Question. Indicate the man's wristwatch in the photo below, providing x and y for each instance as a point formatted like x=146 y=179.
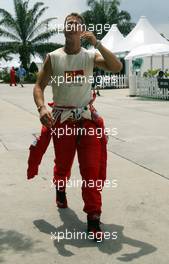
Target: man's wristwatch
x=98 y=43
x=40 y=107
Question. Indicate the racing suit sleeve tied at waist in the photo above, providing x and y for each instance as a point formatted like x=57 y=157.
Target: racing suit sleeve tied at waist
x=36 y=151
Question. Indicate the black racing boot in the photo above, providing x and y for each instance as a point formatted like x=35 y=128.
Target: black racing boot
x=61 y=199
x=93 y=227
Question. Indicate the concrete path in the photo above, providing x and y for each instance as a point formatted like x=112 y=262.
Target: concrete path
x=136 y=210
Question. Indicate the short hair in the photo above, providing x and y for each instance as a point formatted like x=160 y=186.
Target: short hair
x=76 y=15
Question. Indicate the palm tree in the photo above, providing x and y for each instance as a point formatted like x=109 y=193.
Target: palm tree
x=24 y=33
x=120 y=17
x=107 y=12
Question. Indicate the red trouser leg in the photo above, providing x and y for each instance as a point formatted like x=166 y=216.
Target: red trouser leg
x=12 y=80
x=65 y=148
x=92 y=156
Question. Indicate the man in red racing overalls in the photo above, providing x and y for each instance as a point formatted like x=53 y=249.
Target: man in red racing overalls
x=73 y=111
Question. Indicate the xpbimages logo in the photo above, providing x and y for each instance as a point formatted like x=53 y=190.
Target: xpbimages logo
x=77 y=235
x=79 y=183
x=97 y=28
x=79 y=79
x=76 y=131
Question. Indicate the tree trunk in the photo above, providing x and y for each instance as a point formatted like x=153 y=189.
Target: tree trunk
x=24 y=56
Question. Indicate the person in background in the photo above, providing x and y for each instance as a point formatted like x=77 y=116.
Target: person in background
x=12 y=77
x=21 y=72
x=160 y=75
x=96 y=84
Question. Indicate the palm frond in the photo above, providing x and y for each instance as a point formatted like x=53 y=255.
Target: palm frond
x=5 y=13
x=36 y=7
x=123 y=15
x=5 y=54
x=9 y=21
x=43 y=48
x=41 y=25
x=7 y=34
x=25 y=5
x=44 y=36
x=16 y=5
x=31 y=13
x=9 y=45
x=20 y=13
x=35 y=15
x=91 y=3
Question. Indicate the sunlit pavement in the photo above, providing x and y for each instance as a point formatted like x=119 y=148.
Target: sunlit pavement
x=137 y=209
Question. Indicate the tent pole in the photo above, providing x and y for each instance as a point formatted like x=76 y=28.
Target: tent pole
x=151 y=63
x=162 y=62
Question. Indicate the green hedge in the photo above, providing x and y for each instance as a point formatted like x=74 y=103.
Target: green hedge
x=5 y=77
x=29 y=78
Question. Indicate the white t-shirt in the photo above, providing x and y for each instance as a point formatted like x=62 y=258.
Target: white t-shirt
x=72 y=77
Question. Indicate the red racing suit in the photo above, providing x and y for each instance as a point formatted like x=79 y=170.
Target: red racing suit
x=92 y=157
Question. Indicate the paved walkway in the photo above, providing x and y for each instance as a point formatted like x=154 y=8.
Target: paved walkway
x=137 y=209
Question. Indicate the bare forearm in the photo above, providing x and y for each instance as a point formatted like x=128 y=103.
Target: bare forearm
x=38 y=94
x=111 y=61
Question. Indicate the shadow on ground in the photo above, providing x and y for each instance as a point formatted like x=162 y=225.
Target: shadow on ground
x=72 y=223
x=15 y=241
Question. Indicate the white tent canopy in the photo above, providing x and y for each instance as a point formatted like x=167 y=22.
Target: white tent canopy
x=15 y=62
x=113 y=38
x=8 y=64
x=148 y=50
x=36 y=59
x=3 y=63
x=142 y=34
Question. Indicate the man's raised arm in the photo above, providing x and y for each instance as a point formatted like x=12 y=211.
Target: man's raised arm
x=107 y=60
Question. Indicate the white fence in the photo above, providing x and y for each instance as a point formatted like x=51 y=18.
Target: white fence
x=114 y=81
x=148 y=87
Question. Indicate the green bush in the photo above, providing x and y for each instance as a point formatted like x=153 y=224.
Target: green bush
x=154 y=73
x=5 y=76
x=31 y=78
x=166 y=73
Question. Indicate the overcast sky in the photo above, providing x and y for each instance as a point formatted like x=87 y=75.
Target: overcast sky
x=157 y=11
